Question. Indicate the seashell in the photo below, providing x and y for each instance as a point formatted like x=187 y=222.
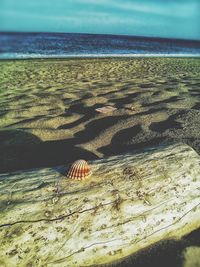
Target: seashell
x=79 y=170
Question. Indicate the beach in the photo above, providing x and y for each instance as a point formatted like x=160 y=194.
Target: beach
x=48 y=117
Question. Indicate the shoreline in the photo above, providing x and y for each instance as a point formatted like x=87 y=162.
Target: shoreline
x=103 y=56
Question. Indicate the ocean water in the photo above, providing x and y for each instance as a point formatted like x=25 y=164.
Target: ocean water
x=61 y=45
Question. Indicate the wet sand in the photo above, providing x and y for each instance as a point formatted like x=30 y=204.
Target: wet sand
x=48 y=117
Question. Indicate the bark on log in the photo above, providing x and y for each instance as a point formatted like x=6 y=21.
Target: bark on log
x=129 y=203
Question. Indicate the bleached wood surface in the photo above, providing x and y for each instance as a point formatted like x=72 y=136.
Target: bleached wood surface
x=129 y=203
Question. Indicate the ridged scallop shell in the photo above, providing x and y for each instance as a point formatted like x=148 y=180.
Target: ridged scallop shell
x=79 y=170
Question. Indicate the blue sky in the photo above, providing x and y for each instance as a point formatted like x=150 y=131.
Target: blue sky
x=162 y=18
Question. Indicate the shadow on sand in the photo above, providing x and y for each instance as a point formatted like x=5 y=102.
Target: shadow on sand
x=21 y=150
x=166 y=253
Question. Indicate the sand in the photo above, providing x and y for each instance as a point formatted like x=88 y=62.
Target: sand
x=48 y=117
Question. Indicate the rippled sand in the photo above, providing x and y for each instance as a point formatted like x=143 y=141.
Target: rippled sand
x=48 y=117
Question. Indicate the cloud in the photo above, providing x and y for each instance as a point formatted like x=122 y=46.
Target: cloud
x=166 y=18
x=171 y=8
x=98 y=18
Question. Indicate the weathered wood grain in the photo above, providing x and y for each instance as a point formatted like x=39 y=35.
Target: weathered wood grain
x=129 y=203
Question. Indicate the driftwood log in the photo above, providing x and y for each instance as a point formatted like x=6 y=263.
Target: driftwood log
x=129 y=203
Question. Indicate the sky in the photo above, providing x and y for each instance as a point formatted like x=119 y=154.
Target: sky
x=156 y=18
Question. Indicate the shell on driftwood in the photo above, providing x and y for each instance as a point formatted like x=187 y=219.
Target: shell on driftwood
x=129 y=203
x=79 y=170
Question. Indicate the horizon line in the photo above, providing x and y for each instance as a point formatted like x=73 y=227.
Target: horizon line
x=104 y=34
